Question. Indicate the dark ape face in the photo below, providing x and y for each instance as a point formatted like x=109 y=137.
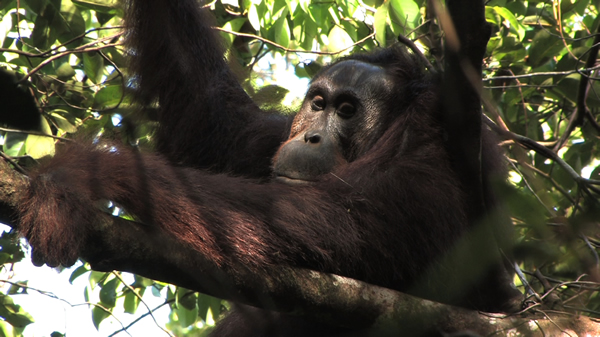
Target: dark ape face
x=344 y=113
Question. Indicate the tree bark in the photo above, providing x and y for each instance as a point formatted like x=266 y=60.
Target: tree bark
x=118 y=244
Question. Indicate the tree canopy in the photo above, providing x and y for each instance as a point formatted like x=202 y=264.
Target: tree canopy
x=540 y=94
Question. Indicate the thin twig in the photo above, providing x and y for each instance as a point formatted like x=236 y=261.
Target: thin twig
x=592 y=120
x=542 y=150
x=35 y=133
x=553 y=298
x=552 y=181
x=118 y=276
x=533 y=191
x=523 y=279
x=548 y=73
x=538 y=86
x=55 y=48
x=80 y=49
x=582 y=92
x=18 y=167
x=114 y=65
x=53 y=296
x=124 y=329
x=289 y=50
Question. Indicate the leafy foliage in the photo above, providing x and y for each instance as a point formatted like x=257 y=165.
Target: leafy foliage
x=540 y=88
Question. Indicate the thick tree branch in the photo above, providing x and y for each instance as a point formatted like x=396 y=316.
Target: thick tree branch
x=467 y=36
x=118 y=244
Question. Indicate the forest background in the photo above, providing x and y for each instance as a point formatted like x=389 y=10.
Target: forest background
x=541 y=91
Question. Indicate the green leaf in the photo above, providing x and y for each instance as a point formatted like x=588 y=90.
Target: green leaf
x=39 y=146
x=523 y=205
x=186 y=317
x=310 y=29
x=208 y=303
x=86 y=294
x=278 y=6
x=103 y=6
x=579 y=155
x=351 y=30
x=93 y=66
x=334 y=15
x=37 y=6
x=56 y=19
x=13 y=313
x=568 y=87
x=104 y=18
x=380 y=25
x=535 y=20
x=13 y=144
x=141 y=282
x=3 y=5
x=515 y=25
x=42 y=36
x=96 y=277
x=186 y=299
x=282 y=30
x=108 y=97
x=65 y=71
x=132 y=302
x=270 y=94
x=4 y=258
x=77 y=272
x=62 y=122
x=543 y=47
x=312 y=68
x=581 y=6
x=406 y=13
x=215 y=306
x=492 y=16
x=234 y=26
x=203 y=306
x=73 y=24
x=517 y=7
x=116 y=56
x=253 y=18
x=18 y=288
x=108 y=293
x=595 y=175
x=349 y=7
x=339 y=39
x=20 y=320
x=245 y=4
x=318 y=13
x=98 y=315
x=6 y=329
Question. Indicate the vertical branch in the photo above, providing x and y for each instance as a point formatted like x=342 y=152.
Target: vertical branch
x=582 y=110
x=583 y=84
x=467 y=34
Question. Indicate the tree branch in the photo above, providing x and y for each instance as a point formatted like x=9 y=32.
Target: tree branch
x=289 y=50
x=118 y=244
x=581 y=111
x=545 y=152
x=467 y=34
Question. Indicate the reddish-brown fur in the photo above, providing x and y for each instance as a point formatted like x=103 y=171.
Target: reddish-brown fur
x=384 y=217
